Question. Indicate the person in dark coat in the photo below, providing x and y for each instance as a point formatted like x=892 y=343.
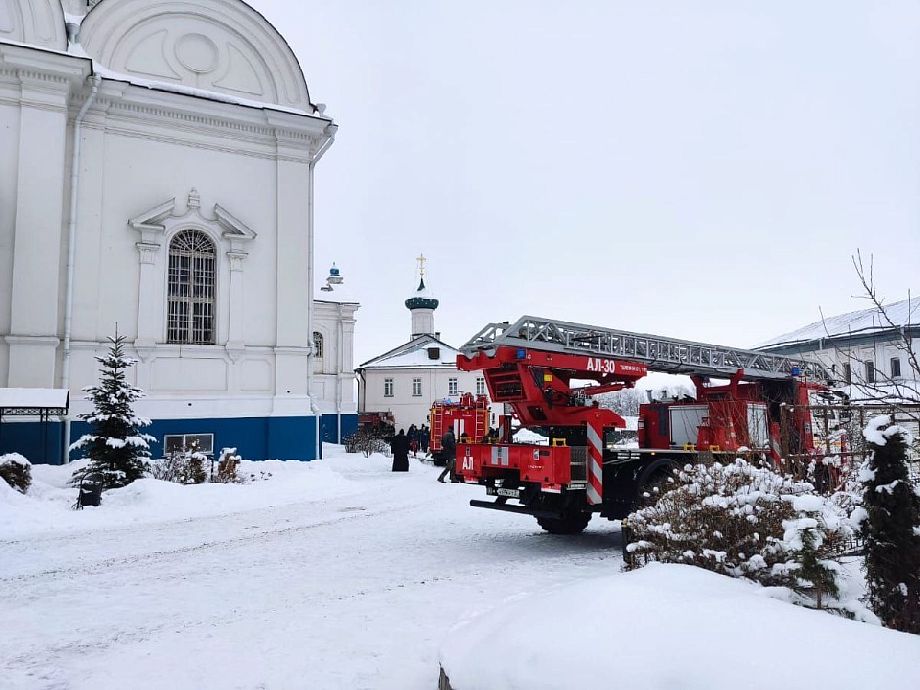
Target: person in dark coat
x=400 y=447
x=424 y=438
x=449 y=453
x=412 y=436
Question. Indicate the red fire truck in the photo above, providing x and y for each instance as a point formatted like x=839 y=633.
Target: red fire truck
x=536 y=366
x=467 y=417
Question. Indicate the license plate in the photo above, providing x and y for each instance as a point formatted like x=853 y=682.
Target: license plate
x=508 y=493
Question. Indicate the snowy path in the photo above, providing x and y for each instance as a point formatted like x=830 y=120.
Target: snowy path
x=357 y=591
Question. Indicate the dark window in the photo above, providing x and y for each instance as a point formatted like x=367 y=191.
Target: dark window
x=317 y=344
x=895 y=367
x=848 y=373
x=870 y=372
x=181 y=443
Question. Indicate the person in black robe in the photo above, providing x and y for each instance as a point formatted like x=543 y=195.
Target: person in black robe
x=400 y=447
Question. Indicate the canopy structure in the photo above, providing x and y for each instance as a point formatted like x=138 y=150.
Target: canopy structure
x=34 y=401
x=43 y=403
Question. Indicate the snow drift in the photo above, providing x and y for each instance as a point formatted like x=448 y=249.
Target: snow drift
x=673 y=626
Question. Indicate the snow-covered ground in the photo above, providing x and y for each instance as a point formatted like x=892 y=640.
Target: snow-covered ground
x=340 y=574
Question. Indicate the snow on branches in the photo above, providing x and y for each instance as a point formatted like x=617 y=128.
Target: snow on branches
x=745 y=521
x=117 y=450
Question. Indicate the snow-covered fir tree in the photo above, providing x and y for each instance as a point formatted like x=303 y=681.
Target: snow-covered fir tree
x=812 y=571
x=891 y=528
x=117 y=450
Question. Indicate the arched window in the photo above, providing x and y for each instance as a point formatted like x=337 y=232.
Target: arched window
x=317 y=344
x=192 y=274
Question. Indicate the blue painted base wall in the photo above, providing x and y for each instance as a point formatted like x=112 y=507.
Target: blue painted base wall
x=329 y=427
x=37 y=442
x=255 y=438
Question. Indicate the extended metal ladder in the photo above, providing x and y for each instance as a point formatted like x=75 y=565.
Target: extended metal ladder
x=658 y=353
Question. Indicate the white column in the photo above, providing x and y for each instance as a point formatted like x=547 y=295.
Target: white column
x=37 y=247
x=235 y=342
x=149 y=318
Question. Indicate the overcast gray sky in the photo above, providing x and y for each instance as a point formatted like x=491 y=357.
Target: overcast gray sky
x=695 y=169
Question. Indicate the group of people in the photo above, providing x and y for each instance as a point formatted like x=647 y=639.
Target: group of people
x=418 y=438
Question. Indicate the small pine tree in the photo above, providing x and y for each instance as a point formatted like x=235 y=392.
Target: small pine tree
x=892 y=530
x=815 y=574
x=117 y=450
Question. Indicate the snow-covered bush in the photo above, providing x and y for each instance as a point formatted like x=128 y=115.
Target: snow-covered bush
x=193 y=467
x=16 y=471
x=117 y=450
x=366 y=441
x=227 y=467
x=167 y=469
x=891 y=528
x=744 y=521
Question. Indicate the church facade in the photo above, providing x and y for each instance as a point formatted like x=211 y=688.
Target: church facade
x=156 y=176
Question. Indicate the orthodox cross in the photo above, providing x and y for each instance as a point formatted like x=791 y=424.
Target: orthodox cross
x=421 y=265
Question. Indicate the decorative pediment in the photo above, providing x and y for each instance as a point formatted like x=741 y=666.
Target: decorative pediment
x=211 y=45
x=156 y=222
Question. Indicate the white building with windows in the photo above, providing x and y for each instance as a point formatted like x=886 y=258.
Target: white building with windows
x=156 y=172
x=863 y=348
x=408 y=379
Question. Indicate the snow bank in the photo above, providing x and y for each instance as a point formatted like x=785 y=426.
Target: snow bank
x=673 y=626
x=48 y=504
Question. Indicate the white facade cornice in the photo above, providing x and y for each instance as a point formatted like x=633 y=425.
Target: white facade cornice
x=38 y=78
x=137 y=112
x=46 y=65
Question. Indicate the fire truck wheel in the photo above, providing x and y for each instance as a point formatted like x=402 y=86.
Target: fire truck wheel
x=568 y=524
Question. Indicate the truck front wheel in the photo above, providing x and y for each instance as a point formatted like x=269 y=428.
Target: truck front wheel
x=573 y=523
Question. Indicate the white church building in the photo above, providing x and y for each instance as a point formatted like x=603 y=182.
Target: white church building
x=408 y=379
x=156 y=172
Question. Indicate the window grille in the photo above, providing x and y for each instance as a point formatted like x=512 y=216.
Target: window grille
x=317 y=344
x=453 y=387
x=417 y=388
x=192 y=277
x=388 y=388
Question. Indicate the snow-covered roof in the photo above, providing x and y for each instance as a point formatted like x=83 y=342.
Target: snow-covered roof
x=861 y=322
x=34 y=398
x=414 y=354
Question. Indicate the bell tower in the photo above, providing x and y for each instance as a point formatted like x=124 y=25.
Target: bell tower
x=422 y=304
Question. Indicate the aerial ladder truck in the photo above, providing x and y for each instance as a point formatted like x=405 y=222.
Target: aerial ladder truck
x=536 y=366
